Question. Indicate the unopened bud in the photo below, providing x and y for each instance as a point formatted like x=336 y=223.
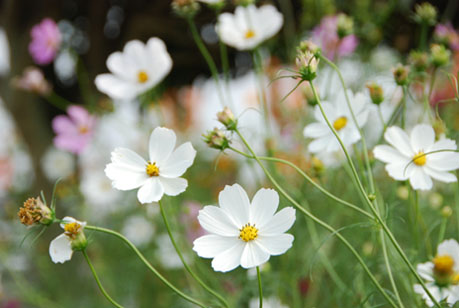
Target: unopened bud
x=425 y=13
x=345 y=25
x=307 y=60
x=419 y=60
x=403 y=192
x=372 y=197
x=34 y=211
x=376 y=93
x=317 y=165
x=216 y=139
x=226 y=117
x=446 y=211
x=185 y=8
x=439 y=55
x=401 y=73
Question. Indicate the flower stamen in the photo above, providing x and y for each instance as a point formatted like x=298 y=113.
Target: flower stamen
x=249 y=34
x=248 y=233
x=72 y=229
x=340 y=123
x=420 y=159
x=142 y=77
x=152 y=169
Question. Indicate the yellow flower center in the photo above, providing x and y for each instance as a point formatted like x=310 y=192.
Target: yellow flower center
x=248 y=233
x=249 y=34
x=152 y=169
x=420 y=159
x=72 y=229
x=443 y=264
x=340 y=123
x=142 y=76
x=83 y=129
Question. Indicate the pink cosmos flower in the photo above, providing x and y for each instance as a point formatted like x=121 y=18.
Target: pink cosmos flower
x=73 y=131
x=445 y=34
x=45 y=43
x=33 y=80
x=326 y=36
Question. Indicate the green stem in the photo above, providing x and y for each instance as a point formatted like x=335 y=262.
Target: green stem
x=389 y=269
x=185 y=264
x=58 y=101
x=98 y=281
x=260 y=289
x=145 y=261
x=441 y=234
x=423 y=36
x=370 y=204
x=311 y=181
x=318 y=221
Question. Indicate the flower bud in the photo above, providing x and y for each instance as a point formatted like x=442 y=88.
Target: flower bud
x=439 y=55
x=345 y=25
x=317 y=165
x=216 y=139
x=34 y=211
x=446 y=211
x=419 y=60
x=425 y=13
x=401 y=73
x=307 y=60
x=74 y=231
x=185 y=8
x=376 y=93
x=226 y=117
x=32 y=80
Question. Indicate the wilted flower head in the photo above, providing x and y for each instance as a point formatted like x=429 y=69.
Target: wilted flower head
x=439 y=55
x=425 y=13
x=34 y=211
x=46 y=40
x=33 y=80
x=73 y=132
x=445 y=34
x=216 y=139
x=226 y=117
x=62 y=247
x=401 y=73
x=186 y=8
x=376 y=92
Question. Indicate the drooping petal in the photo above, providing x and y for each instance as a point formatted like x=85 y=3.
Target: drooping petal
x=441 y=176
x=208 y=246
x=60 y=249
x=179 y=161
x=234 y=201
x=173 y=186
x=276 y=245
x=264 y=205
x=399 y=140
x=229 y=259
x=151 y=191
x=253 y=255
x=279 y=223
x=162 y=142
x=419 y=180
x=422 y=137
x=215 y=220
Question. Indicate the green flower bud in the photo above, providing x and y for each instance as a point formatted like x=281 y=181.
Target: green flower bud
x=425 y=13
x=439 y=55
x=345 y=25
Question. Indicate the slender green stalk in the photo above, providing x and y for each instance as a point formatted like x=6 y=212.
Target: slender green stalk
x=318 y=221
x=311 y=181
x=205 y=53
x=429 y=94
x=389 y=269
x=260 y=289
x=423 y=36
x=441 y=234
x=112 y=301
x=185 y=264
x=148 y=264
x=57 y=101
x=370 y=204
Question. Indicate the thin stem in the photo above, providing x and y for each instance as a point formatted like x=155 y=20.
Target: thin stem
x=370 y=204
x=389 y=269
x=57 y=101
x=145 y=261
x=98 y=281
x=318 y=221
x=260 y=289
x=311 y=181
x=185 y=264
x=441 y=234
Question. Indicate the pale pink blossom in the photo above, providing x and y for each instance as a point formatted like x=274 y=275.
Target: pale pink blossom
x=46 y=40
x=446 y=34
x=33 y=80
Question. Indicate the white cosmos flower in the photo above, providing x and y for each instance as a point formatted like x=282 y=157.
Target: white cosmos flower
x=442 y=274
x=242 y=232
x=249 y=26
x=4 y=53
x=405 y=157
x=340 y=117
x=160 y=174
x=135 y=70
x=60 y=249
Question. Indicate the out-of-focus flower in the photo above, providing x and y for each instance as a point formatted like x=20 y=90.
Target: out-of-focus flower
x=242 y=232
x=419 y=60
x=33 y=80
x=376 y=93
x=270 y=302
x=137 y=69
x=65 y=66
x=4 y=53
x=410 y=157
x=34 y=211
x=344 y=25
x=340 y=116
x=442 y=275
x=215 y=4
x=186 y=8
x=401 y=73
x=190 y=220
x=326 y=36
x=73 y=131
x=46 y=40
x=249 y=26
x=160 y=174
x=439 y=55
x=425 y=13
x=445 y=34
x=57 y=164
x=62 y=247
x=138 y=230
x=226 y=117
x=306 y=60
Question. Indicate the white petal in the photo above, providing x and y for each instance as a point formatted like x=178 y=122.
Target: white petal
x=400 y=171
x=315 y=130
x=162 y=142
x=208 y=246
x=425 y=270
x=279 y=223
x=124 y=179
x=443 y=161
x=68 y=219
x=173 y=186
x=264 y=205
x=419 y=180
x=180 y=160
x=215 y=220
x=234 y=201
x=443 y=144
x=151 y=191
x=450 y=247
x=121 y=66
x=276 y=245
x=159 y=60
x=422 y=137
x=135 y=51
x=399 y=140
x=128 y=159
x=388 y=154
x=229 y=259
x=320 y=144
x=253 y=255
x=441 y=176
x=116 y=88
x=60 y=249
